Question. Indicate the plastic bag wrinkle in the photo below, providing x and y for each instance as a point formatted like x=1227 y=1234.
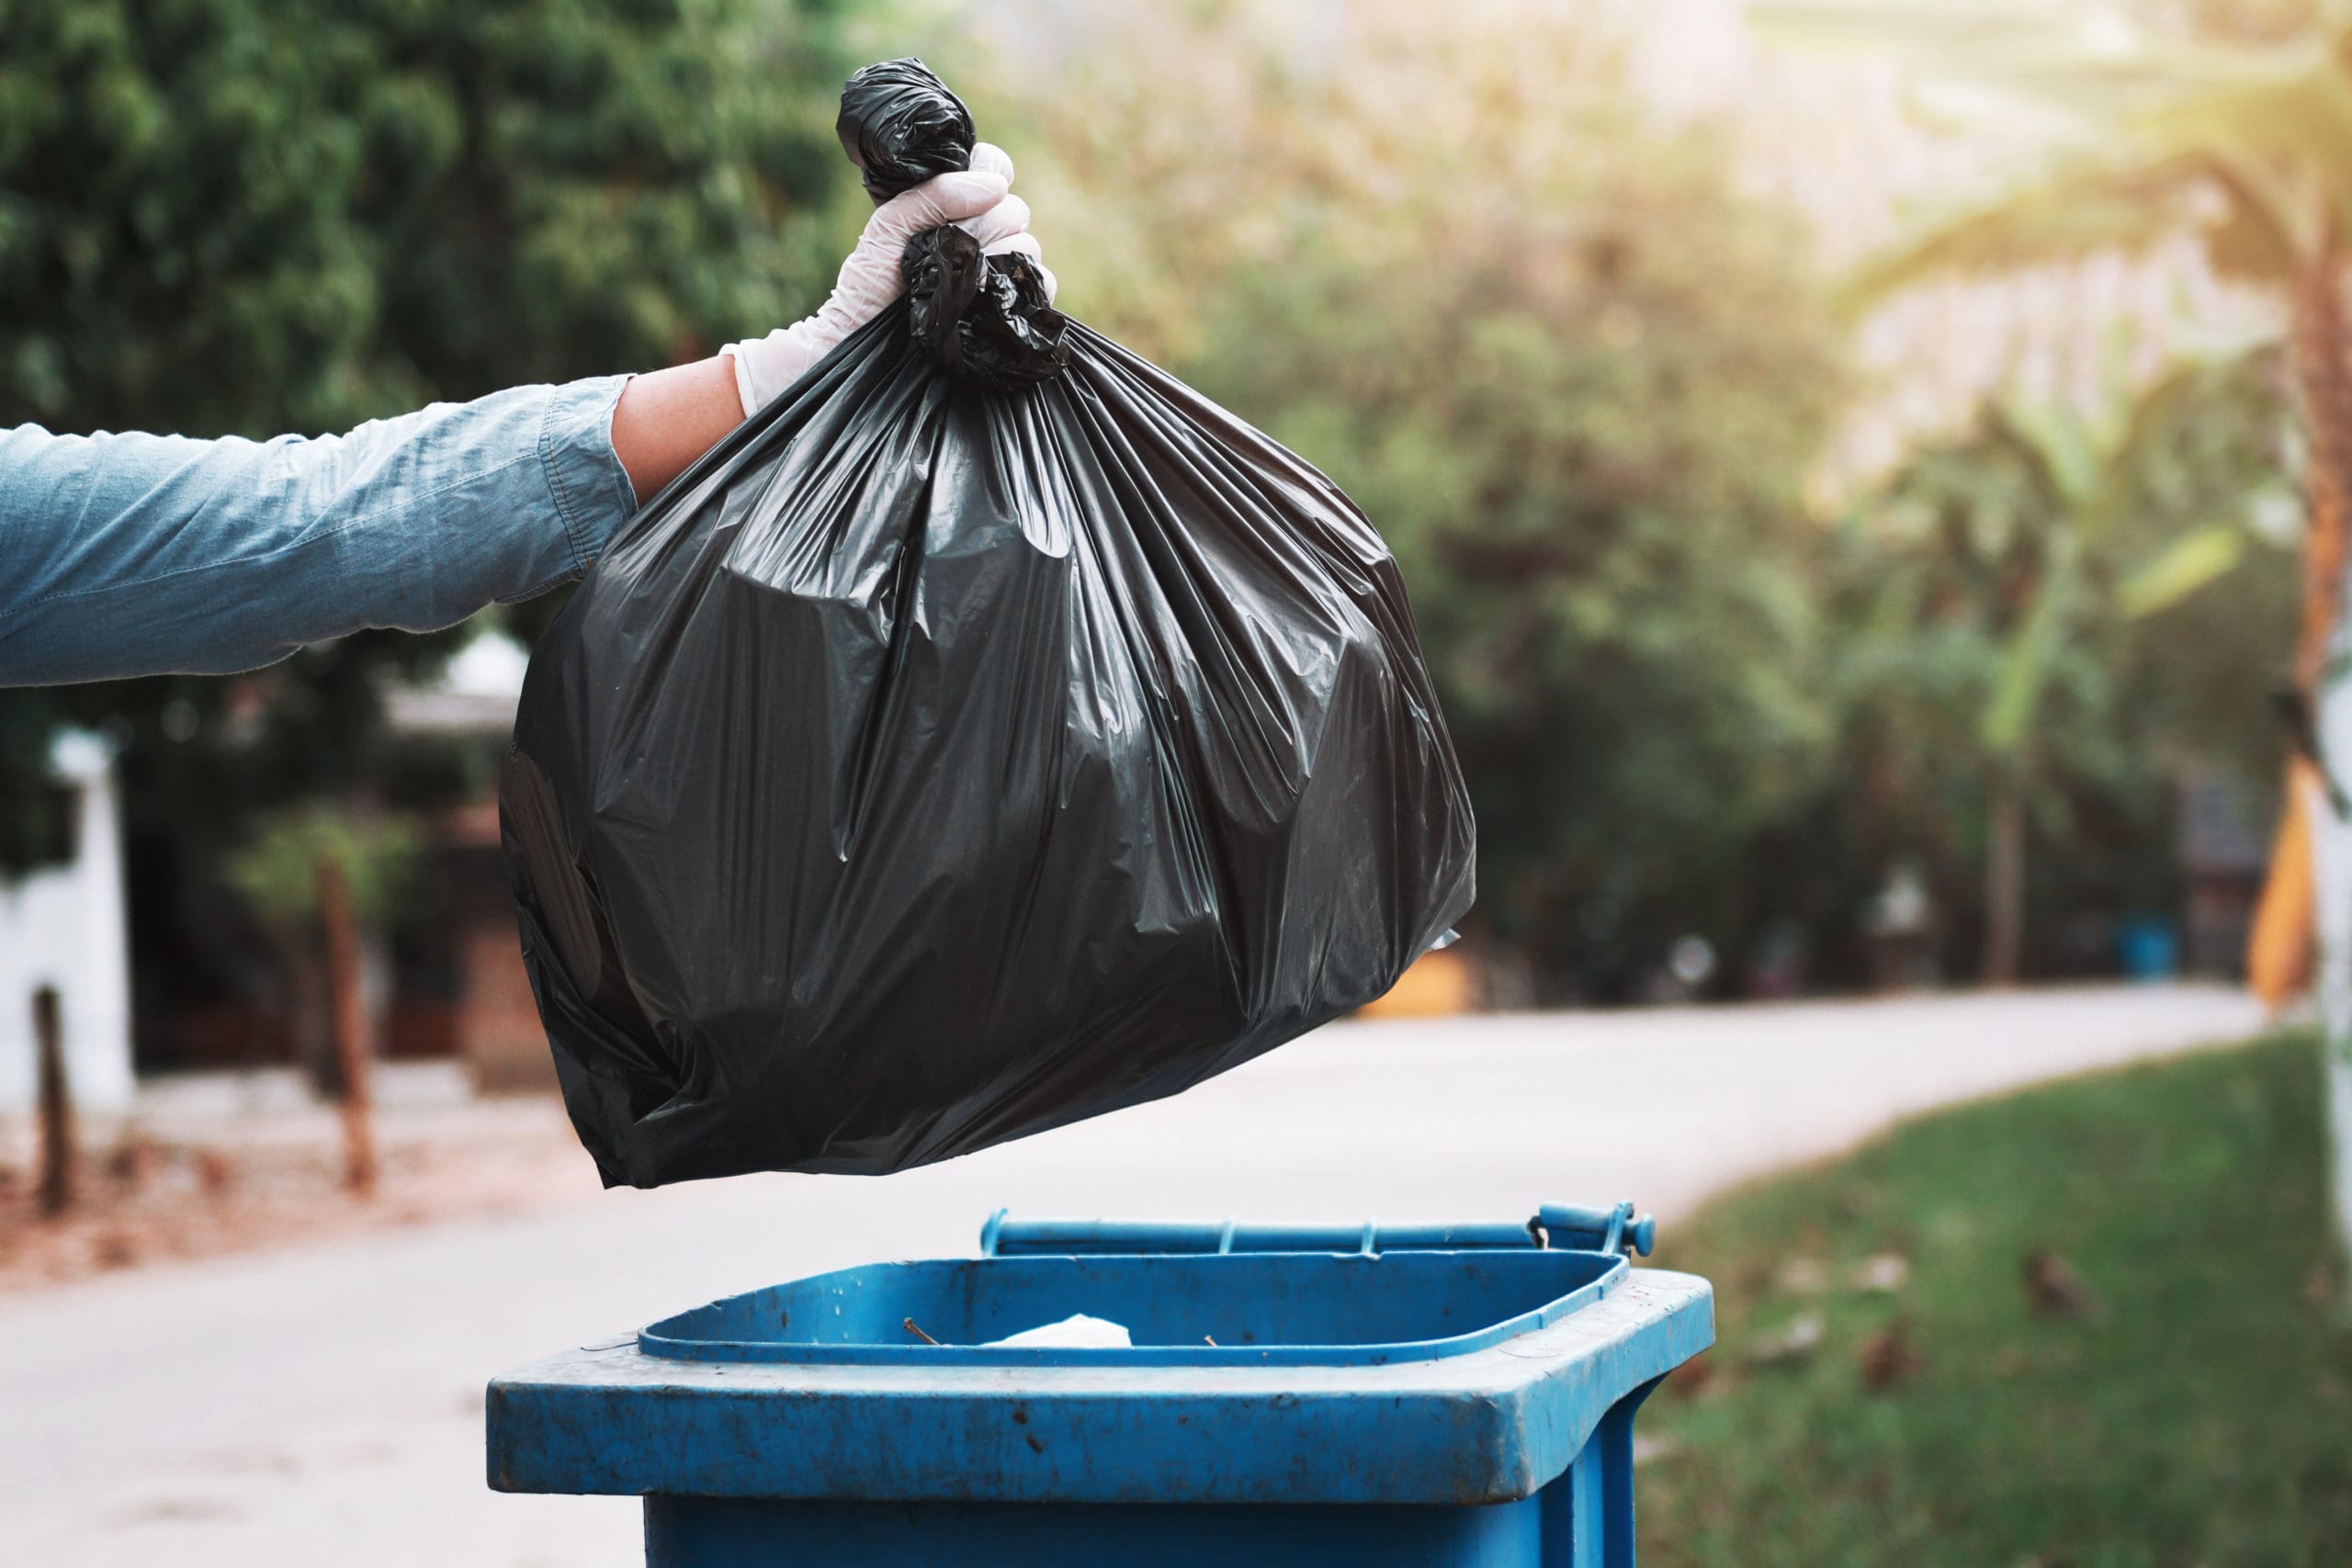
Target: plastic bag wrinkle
x=946 y=758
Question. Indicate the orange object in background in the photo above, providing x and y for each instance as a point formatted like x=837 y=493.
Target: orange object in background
x=2279 y=949
x=1437 y=984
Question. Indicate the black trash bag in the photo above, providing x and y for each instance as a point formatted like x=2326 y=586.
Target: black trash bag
x=900 y=126
x=991 y=733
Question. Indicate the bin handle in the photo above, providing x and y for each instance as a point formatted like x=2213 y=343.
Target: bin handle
x=1617 y=1229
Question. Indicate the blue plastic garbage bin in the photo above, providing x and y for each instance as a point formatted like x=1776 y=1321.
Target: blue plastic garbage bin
x=2148 y=948
x=1368 y=1395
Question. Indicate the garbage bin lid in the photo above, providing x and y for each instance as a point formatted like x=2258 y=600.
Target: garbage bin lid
x=1431 y=1365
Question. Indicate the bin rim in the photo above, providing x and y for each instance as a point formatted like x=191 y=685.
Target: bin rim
x=659 y=1340
x=1489 y=1426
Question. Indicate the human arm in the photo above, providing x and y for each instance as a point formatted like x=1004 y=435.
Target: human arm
x=669 y=417
x=666 y=418
x=134 y=554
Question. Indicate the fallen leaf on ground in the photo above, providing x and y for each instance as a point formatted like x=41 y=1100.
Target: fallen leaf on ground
x=1888 y=1358
x=2055 y=1290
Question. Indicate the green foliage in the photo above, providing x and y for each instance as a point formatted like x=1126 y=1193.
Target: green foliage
x=2197 y=559
x=2197 y=1413
x=254 y=216
x=27 y=798
x=1572 y=374
x=2083 y=467
x=1578 y=380
x=260 y=216
x=279 y=872
x=1997 y=617
x=2222 y=118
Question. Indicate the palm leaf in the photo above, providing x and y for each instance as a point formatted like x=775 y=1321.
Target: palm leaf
x=2080 y=209
x=2066 y=451
x=2183 y=567
x=2084 y=207
x=2144 y=127
x=1930 y=33
x=2025 y=664
x=2059 y=49
x=2303 y=112
x=2151 y=418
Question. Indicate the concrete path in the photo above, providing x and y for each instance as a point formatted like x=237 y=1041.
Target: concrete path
x=323 y=1405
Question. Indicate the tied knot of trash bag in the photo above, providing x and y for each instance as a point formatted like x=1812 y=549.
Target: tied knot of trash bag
x=900 y=126
x=985 y=319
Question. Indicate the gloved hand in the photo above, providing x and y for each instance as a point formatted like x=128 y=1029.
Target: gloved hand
x=978 y=201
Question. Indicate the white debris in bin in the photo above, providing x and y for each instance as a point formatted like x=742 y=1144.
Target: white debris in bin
x=1077 y=1332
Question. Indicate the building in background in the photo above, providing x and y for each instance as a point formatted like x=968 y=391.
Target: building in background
x=65 y=927
x=219 y=989
x=2223 y=855
x=458 y=987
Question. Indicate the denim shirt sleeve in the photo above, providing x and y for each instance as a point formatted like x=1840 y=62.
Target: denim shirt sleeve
x=134 y=555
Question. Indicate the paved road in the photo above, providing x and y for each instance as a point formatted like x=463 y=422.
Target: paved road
x=323 y=1405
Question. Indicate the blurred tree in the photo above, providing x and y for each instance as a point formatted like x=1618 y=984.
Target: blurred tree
x=1571 y=372
x=2230 y=122
x=258 y=216
x=253 y=216
x=327 y=881
x=2011 y=599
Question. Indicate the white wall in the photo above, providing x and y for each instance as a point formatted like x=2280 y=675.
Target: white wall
x=66 y=926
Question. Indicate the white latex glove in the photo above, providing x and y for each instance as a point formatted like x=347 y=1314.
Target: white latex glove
x=978 y=200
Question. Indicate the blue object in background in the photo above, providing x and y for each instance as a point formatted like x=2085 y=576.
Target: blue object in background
x=2147 y=948
x=1369 y=1395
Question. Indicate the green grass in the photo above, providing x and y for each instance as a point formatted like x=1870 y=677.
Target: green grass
x=2201 y=1414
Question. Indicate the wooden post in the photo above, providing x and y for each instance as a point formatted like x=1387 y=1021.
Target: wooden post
x=349 y=1008
x=56 y=1193
x=2005 y=878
